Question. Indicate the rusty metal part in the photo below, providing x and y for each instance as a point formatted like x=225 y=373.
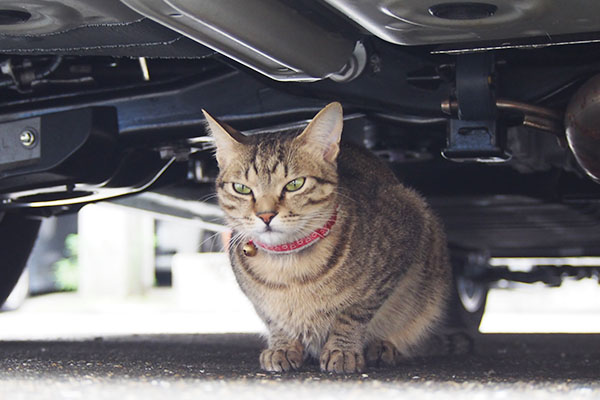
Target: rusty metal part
x=543 y=124
x=525 y=108
x=451 y=107
x=536 y=117
x=582 y=121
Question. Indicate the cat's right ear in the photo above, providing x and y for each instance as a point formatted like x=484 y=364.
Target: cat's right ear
x=322 y=135
x=227 y=140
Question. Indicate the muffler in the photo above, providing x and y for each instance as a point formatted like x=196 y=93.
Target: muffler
x=582 y=122
x=264 y=35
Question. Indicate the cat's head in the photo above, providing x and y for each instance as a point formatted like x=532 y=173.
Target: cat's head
x=274 y=187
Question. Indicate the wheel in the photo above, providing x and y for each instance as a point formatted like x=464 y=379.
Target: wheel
x=18 y=294
x=17 y=237
x=469 y=294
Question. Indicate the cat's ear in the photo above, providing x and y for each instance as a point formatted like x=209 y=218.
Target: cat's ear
x=322 y=135
x=227 y=140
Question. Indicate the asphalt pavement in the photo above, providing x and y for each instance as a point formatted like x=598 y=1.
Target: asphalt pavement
x=226 y=366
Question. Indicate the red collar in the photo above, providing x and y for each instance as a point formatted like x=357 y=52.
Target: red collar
x=299 y=244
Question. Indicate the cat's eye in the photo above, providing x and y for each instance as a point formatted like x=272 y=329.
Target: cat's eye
x=241 y=189
x=294 y=185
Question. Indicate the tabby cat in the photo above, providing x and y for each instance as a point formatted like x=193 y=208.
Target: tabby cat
x=341 y=261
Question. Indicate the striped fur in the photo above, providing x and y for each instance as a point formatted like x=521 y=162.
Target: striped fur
x=378 y=281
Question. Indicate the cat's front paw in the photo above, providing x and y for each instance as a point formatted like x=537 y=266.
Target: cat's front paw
x=281 y=359
x=342 y=361
x=382 y=352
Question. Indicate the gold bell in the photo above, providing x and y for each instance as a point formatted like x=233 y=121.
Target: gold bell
x=249 y=249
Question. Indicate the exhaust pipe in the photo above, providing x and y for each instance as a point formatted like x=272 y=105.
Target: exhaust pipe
x=264 y=35
x=582 y=122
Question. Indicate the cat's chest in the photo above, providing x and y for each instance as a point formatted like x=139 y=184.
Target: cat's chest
x=294 y=304
x=303 y=312
x=298 y=293
x=293 y=294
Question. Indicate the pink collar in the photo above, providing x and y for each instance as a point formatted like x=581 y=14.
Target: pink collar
x=300 y=244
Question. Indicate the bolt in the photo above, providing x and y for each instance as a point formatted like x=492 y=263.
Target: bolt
x=27 y=138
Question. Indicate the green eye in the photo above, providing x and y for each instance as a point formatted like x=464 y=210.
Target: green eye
x=241 y=189
x=295 y=184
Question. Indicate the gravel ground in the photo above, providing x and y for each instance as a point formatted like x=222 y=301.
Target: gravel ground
x=226 y=365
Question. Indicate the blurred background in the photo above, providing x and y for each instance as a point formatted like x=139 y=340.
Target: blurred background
x=115 y=270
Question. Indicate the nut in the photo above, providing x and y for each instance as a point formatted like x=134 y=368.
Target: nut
x=27 y=138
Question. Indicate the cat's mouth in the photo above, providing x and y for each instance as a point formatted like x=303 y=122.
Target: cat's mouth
x=271 y=236
x=276 y=234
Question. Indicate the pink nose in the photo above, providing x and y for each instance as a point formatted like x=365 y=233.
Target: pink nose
x=267 y=216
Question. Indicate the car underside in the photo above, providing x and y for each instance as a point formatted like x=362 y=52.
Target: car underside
x=489 y=109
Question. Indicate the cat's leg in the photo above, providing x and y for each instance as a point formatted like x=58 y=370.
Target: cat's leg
x=444 y=344
x=383 y=352
x=283 y=354
x=343 y=351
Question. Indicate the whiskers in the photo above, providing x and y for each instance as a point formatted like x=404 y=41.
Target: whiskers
x=238 y=238
x=308 y=223
x=210 y=239
x=340 y=193
x=208 y=197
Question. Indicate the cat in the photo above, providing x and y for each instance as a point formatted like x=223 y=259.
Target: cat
x=340 y=260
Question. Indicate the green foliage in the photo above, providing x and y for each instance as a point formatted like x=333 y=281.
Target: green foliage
x=66 y=270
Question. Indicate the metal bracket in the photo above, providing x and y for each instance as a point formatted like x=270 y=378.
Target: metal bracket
x=81 y=161
x=83 y=143
x=481 y=141
x=474 y=133
x=20 y=143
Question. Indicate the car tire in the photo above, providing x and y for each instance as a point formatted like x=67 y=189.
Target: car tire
x=467 y=305
x=18 y=233
x=468 y=294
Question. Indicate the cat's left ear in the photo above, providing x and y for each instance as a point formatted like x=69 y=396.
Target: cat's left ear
x=324 y=132
x=227 y=139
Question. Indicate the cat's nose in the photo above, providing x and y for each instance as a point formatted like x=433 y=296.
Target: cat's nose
x=266 y=216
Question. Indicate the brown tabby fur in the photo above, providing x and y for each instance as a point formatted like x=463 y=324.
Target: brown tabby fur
x=376 y=286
